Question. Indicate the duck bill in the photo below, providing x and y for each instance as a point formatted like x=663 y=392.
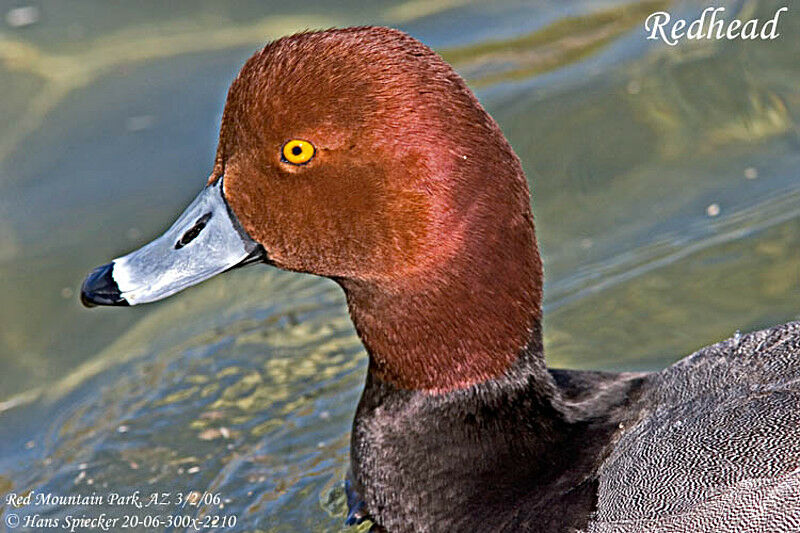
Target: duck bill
x=205 y=240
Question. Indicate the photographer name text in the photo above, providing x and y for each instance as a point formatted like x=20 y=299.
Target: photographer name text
x=160 y=510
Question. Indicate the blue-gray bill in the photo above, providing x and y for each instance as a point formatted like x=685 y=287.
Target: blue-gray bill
x=205 y=240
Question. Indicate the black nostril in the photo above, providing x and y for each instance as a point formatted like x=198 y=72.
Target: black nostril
x=100 y=288
x=193 y=232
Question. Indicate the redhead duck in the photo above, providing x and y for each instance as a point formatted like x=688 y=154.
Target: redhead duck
x=358 y=154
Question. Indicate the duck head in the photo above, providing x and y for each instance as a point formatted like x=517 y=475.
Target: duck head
x=358 y=154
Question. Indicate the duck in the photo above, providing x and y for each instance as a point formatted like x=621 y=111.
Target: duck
x=360 y=155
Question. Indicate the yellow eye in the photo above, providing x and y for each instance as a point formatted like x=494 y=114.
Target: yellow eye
x=298 y=152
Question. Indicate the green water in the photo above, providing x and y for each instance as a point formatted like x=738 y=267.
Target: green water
x=666 y=188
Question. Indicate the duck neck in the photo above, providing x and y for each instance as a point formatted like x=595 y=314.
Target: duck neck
x=458 y=397
x=470 y=319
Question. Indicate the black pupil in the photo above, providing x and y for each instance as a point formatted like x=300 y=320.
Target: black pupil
x=193 y=232
x=296 y=150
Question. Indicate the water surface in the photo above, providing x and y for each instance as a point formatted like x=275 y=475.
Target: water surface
x=665 y=186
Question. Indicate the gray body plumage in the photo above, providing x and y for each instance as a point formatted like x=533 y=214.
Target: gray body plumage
x=715 y=445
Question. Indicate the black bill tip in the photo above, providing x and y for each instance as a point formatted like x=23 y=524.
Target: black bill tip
x=99 y=288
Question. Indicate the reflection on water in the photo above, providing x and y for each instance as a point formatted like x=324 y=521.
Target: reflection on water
x=560 y=43
x=665 y=189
